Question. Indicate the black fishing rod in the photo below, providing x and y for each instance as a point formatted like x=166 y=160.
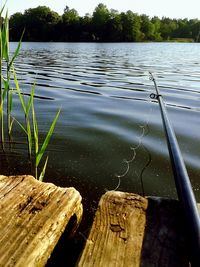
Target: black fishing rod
x=182 y=181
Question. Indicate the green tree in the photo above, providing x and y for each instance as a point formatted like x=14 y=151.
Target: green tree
x=131 y=24
x=114 y=27
x=100 y=19
x=70 y=16
x=194 y=25
x=147 y=28
x=157 y=34
x=183 y=29
x=86 y=28
x=17 y=25
x=39 y=23
x=70 y=24
x=43 y=24
x=167 y=28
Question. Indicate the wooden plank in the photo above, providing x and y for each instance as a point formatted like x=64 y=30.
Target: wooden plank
x=33 y=215
x=133 y=231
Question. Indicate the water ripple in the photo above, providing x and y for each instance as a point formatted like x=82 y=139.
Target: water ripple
x=104 y=93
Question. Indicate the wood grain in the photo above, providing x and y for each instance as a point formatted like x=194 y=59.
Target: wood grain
x=33 y=216
x=133 y=231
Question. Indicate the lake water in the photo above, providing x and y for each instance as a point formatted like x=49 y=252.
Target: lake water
x=107 y=117
x=103 y=91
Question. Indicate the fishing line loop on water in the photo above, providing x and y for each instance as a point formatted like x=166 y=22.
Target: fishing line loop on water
x=145 y=131
x=134 y=154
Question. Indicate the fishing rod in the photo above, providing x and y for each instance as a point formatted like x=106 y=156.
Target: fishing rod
x=182 y=181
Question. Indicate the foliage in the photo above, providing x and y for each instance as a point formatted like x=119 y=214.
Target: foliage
x=99 y=21
x=43 y=24
x=39 y=23
x=30 y=128
x=147 y=28
x=70 y=24
x=131 y=26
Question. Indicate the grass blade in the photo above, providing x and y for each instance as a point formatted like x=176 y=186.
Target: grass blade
x=11 y=100
x=5 y=38
x=30 y=101
x=6 y=88
x=21 y=126
x=47 y=139
x=42 y=174
x=29 y=135
x=35 y=129
x=19 y=92
x=1 y=108
x=11 y=125
x=2 y=9
x=16 y=51
x=9 y=110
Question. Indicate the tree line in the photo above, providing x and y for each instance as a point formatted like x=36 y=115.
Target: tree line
x=104 y=25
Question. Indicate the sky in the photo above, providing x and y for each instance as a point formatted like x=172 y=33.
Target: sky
x=168 y=8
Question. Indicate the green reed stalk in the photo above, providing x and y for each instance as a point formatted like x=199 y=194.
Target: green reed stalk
x=44 y=146
x=42 y=174
x=9 y=66
x=31 y=125
x=33 y=135
x=6 y=57
x=40 y=152
x=47 y=139
x=5 y=93
x=26 y=109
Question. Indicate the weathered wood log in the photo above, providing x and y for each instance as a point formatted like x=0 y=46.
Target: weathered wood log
x=33 y=216
x=133 y=231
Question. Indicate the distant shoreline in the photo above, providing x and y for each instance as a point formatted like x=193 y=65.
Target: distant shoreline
x=104 y=25
x=120 y=42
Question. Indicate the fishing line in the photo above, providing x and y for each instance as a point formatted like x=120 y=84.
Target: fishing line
x=145 y=131
x=144 y=168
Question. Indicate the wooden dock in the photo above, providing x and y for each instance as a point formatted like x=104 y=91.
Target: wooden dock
x=128 y=230
x=33 y=216
x=133 y=231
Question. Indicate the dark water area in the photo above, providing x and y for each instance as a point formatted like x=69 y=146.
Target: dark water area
x=107 y=116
